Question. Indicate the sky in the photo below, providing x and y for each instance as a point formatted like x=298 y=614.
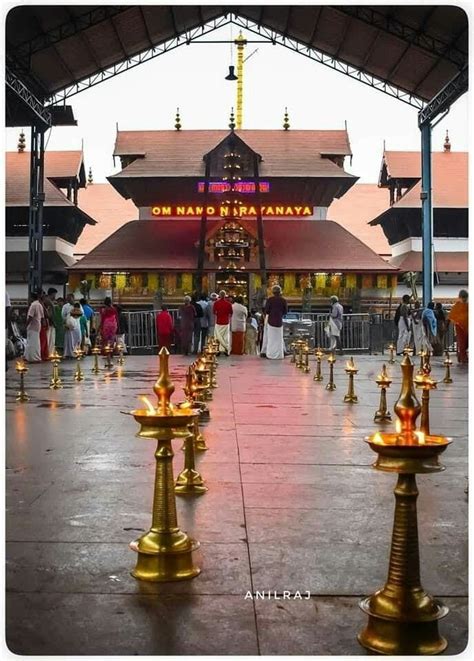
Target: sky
x=193 y=78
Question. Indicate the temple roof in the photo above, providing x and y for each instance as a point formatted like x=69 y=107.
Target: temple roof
x=444 y=262
x=108 y=208
x=292 y=245
x=355 y=210
x=180 y=153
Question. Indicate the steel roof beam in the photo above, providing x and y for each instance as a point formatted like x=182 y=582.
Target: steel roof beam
x=456 y=87
x=331 y=62
x=67 y=29
x=28 y=98
x=390 y=25
x=133 y=61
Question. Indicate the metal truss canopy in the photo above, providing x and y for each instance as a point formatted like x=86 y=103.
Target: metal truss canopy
x=447 y=96
x=185 y=39
x=34 y=105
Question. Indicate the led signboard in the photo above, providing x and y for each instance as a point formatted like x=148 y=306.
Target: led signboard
x=224 y=211
x=239 y=186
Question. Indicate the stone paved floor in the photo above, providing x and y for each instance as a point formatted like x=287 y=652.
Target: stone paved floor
x=292 y=505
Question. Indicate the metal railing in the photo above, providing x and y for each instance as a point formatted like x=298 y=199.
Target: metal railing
x=360 y=332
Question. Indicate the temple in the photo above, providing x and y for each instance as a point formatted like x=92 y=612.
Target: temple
x=240 y=210
x=63 y=219
x=401 y=222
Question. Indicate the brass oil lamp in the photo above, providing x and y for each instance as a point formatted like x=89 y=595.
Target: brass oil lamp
x=108 y=350
x=189 y=482
x=447 y=362
x=402 y=617
x=209 y=361
x=305 y=368
x=351 y=370
x=191 y=391
x=408 y=350
x=22 y=369
x=383 y=381
x=425 y=383
x=293 y=352
x=95 y=351
x=78 y=374
x=300 y=348
x=164 y=552
x=427 y=363
x=422 y=355
x=55 y=382
x=203 y=378
x=330 y=385
x=318 y=375
x=391 y=347
x=120 y=349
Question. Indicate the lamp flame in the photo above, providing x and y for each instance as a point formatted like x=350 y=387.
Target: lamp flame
x=149 y=405
x=398 y=426
x=377 y=438
x=420 y=435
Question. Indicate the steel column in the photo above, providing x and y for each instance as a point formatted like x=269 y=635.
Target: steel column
x=260 y=235
x=203 y=226
x=35 y=217
x=427 y=213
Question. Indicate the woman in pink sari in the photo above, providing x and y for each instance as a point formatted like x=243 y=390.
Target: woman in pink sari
x=108 y=323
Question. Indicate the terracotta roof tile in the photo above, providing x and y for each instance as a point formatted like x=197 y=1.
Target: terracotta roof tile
x=356 y=208
x=57 y=164
x=108 y=208
x=444 y=262
x=180 y=153
x=296 y=245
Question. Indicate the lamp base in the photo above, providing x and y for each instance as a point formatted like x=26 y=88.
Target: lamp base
x=190 y=482
x=165 y=560
x=382 y=416
x=394 y=637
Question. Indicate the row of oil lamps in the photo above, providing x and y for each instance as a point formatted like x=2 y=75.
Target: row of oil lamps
x=423 y=380
x=56 y=382
x=402 y=616
x=164 y=553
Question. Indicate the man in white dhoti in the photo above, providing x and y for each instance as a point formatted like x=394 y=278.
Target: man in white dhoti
x=335 y=324
x=222 y=311
x=35 y=318
x=275 y=309
x=49 y=301
x=403 y=320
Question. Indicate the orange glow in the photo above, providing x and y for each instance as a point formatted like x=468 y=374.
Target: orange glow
x=377 y=438
x=223 y=211
x=398 y=426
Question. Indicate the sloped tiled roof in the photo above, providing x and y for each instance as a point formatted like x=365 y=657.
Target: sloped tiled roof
x=57 y=165
x=108 y=208
x=444 y=262
x=296 y=245
x=356 y=208
x=180 y=153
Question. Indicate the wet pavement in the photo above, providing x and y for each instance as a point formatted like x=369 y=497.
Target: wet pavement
x=293 y=505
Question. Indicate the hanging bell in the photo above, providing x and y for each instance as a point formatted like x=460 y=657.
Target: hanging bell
x=231 y=75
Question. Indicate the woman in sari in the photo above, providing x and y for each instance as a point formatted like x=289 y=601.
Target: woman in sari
x=459 y=315
x=108 y=323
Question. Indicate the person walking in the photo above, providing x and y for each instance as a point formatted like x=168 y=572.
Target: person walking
x=430 y=327
x=222 y=313
x=58 y=322
x=237 y=326
x=187 y=315
x=335 y=324
x=35 y=317
x=212 y=320
x=164 y=328
x=459 y=315
x=251 y=332
x=109 y=323
x=403 y=323
x=197 y=323
x=417 y=327
x=89 y=315
x=442 y=327
x=203 y=303
x=72 y=335
x=49 y=303
x=275 y=309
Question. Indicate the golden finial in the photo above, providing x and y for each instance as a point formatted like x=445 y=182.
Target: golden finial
x=408 y=407
x=164 y=387
x=447 y=144
x=21 y=142
x=286 y=120
x=177 y=124
x=232 y=120
x=90 y=179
